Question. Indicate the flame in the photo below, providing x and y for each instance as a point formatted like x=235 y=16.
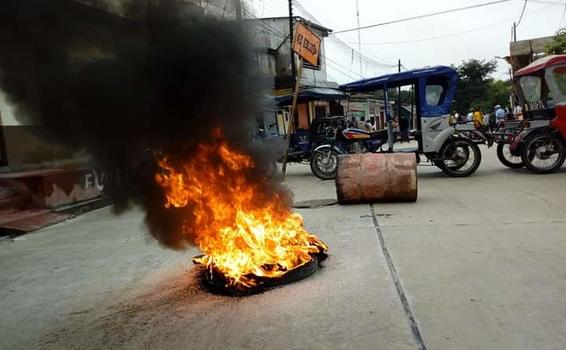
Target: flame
x=243 y=231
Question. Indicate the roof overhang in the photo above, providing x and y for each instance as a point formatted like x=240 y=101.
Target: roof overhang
x=312 y=94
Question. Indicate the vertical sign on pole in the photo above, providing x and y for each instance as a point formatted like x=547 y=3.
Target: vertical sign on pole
x=306 y=45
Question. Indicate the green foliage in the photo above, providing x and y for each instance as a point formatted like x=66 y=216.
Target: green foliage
x=477 y=89
x=558 y=46
x=498 y=93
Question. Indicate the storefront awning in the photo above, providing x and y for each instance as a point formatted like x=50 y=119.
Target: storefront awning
x=312 y=94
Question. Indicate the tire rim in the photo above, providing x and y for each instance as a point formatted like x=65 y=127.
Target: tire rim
x=326 y=161
x=544 y=153
x=506 y=151
x=459 y=157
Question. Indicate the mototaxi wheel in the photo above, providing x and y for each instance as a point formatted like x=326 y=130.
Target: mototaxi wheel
x=507 y=158
x=543 y=153
x=324 y=163
x=459 y=157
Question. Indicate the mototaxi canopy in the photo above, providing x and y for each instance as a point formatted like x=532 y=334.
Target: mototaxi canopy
x=435 y=87
x=541 y=64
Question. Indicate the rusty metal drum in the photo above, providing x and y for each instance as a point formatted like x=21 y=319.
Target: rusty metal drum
x=377 y=177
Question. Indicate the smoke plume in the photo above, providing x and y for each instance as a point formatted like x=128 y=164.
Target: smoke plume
x=159 y=79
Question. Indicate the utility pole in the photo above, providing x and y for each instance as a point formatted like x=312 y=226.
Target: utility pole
x=399 y=93
x=238 y=8
x=359 y=37
x=292 y=54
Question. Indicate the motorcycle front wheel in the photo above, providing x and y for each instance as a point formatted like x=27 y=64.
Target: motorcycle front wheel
x=543 y=153
x=324 y=163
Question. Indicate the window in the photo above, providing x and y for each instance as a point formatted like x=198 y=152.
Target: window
x=433 y=94
x=531 y=87
x=556 y=80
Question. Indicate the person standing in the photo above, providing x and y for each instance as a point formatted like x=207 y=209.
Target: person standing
x=395 y=128
x=368 y=125
x=470 y=116
x=487 y=119
x=353 y=123
x=499 y=114
x=463 y=118
x=518 y=112
x=404 y=128
x=477 y=117
x=453 y=119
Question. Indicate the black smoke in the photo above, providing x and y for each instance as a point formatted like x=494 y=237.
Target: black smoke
x=158 y=78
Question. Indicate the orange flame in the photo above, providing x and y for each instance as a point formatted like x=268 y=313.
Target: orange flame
x=242 y=231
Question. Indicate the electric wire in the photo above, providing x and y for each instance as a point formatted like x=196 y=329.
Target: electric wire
x=522 y=13
x=365 y=58
x=406 y=19
x=563 y=17
x=336 y=66
x=506 y=21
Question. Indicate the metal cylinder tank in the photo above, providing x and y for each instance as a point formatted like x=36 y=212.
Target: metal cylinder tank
x=377 y=177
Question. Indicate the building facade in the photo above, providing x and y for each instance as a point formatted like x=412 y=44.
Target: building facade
x=318 y=96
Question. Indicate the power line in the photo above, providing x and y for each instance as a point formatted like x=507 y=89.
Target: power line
x=365 y=58
x=522 y=13
x=344 y=49
x=563 y=16
x=440 y=36
x=422 y=16
x=454 y=34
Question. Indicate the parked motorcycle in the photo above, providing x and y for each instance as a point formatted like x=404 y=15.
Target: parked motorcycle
x=324 y=159
x=542 y=92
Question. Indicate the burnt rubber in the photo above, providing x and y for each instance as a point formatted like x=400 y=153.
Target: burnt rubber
x=215 y=282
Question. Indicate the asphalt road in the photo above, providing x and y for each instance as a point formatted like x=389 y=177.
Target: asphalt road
x=475 y=263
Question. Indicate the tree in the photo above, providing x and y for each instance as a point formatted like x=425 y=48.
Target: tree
x=498 y=93
x=558 y=46
x=475 y=86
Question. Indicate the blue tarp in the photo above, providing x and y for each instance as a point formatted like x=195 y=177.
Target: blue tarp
x=439 y=75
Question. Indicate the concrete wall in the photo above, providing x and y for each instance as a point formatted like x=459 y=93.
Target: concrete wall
x=272 y=33
x=21 y=144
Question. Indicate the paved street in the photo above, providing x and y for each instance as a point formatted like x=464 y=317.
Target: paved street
x=475 y=263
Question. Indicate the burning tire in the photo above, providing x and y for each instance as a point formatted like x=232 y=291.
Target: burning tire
x=543 y=153
x=507 y=158
x=216 y=282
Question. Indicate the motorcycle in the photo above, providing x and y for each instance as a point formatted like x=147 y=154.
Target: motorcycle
x=542 y=147
x=304 y=141
x=324 y=159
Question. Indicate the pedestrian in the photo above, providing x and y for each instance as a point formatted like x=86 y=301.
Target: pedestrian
x=453 y=119
x=353 y=123
x=509 y=115
x=477 y=117
x=404 y=128
x=395 y=124
x=463 y=118
x=368 y=125
x=518 y=112
x=499 y=114
x=487 y=119
x=470 y=116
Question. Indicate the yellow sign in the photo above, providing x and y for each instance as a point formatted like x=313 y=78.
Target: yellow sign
x=306 y=44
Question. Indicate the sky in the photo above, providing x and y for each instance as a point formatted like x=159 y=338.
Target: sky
x=481 y=33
